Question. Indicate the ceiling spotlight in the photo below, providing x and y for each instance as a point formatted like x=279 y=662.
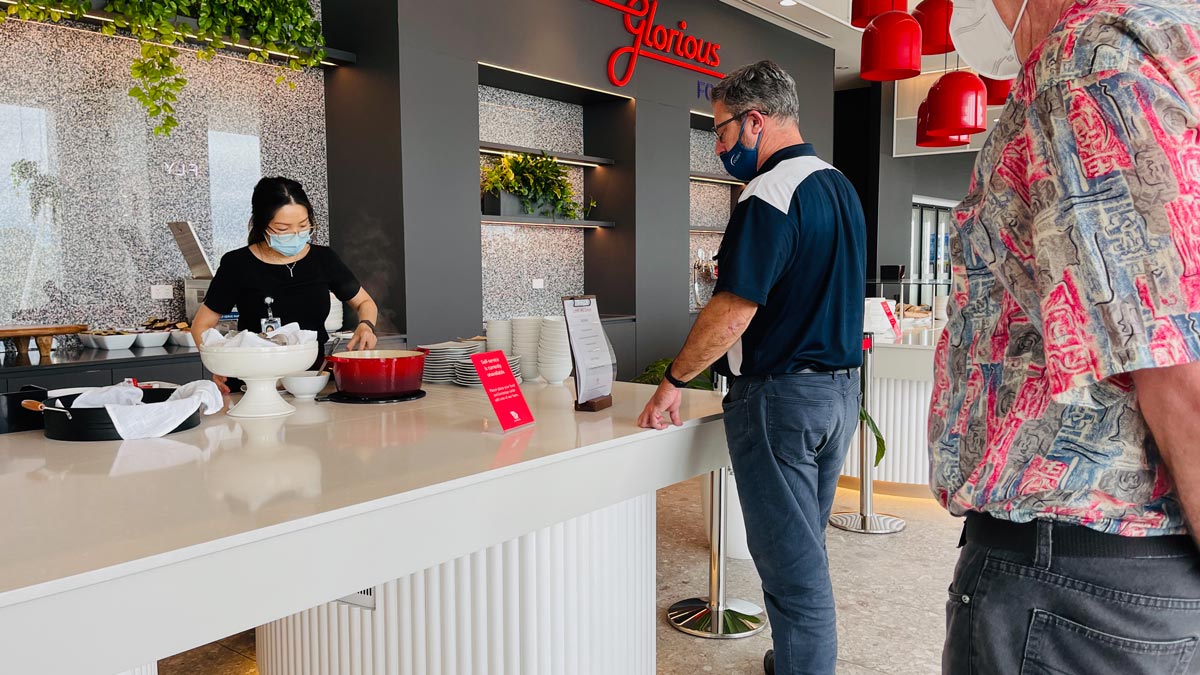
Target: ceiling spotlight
x=788 y=3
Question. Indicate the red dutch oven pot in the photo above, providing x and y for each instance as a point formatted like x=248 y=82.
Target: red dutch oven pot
x=378 y=372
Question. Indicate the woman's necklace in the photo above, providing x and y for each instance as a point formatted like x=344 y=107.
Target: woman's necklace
x=291 y=267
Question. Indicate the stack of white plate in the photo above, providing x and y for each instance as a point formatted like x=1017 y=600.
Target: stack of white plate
x=466 y=375
x=500 y=336
x=526 y=334
x=440 y=362
x=554 y=352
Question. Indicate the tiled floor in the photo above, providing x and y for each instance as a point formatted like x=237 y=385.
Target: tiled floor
x=890 y=589
x=890 y=594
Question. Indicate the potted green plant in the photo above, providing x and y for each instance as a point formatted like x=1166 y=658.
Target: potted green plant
x=527 y=184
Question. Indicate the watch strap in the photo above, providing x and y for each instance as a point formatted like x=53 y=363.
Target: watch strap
x=675 y=382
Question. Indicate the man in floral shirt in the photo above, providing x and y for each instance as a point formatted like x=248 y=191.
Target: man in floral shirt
x=1065 y=421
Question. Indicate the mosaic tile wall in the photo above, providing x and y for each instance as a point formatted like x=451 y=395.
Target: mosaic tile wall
x=84 y=236
x=700 y=287
x=513 y=256
x=520 y=119
x=709 y=205
x=703 y=151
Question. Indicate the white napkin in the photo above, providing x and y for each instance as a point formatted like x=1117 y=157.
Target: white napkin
x=120 y=394
x=250 y=339
x=159 y=419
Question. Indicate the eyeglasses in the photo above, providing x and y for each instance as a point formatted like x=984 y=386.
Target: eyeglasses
x=304 y=228
x=717 y=128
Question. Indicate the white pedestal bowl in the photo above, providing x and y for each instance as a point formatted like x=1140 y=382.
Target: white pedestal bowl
x=261 y=369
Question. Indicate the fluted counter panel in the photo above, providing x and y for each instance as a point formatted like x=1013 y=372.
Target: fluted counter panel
x=576 y=598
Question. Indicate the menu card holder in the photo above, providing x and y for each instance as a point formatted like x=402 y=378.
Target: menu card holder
x=589 y=352
x=595 y=404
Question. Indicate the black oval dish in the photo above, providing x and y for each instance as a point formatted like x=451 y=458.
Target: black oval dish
x=94 y=424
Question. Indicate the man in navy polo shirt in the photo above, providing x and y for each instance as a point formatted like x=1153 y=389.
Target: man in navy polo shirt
x=785 y=322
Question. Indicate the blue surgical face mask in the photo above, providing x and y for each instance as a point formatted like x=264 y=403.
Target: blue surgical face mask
x=742 y=162
x=289 y=245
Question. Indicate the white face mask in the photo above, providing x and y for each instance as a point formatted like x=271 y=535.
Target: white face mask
x=982 y=39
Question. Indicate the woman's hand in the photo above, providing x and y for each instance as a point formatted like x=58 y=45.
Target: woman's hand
x=364 y=338
x=364 y=333
x=220 y=380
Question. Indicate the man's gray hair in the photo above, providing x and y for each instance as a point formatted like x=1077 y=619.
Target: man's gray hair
x=762 y=86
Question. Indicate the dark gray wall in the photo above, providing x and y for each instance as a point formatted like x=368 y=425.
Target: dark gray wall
x=431 y=50
x=885 y=183
x=362 y=115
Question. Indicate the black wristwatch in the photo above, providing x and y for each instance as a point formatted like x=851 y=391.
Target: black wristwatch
x=675 y=382
x=369 y=324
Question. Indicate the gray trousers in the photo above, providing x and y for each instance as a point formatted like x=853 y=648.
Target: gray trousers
x=1042 y=613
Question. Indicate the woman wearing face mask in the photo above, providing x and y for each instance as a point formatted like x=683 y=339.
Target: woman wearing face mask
x=280 y=277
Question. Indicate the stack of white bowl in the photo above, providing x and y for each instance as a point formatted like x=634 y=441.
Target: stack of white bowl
x=554 y=351
x=526 y=335
x=500 y=336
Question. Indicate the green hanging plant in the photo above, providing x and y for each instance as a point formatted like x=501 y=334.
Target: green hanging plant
x=285 y=28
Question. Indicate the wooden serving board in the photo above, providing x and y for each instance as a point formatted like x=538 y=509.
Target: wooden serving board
x=43 y=334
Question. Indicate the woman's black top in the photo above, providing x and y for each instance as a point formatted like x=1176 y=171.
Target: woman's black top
x=300 y=294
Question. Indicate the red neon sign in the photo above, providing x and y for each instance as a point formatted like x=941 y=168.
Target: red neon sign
x=668 y=45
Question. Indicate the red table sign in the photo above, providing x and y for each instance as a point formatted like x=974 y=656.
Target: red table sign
x=502 y=390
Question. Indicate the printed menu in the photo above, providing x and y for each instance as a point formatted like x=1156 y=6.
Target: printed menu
x=589 y=348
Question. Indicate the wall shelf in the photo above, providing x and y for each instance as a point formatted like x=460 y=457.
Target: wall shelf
x=561 y=157
x=701 y=177
x=538 y=221
x=98 y=17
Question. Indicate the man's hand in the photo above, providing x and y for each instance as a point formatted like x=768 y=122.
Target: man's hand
x=665 y=400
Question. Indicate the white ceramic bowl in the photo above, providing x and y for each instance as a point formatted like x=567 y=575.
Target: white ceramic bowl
x=260 y=368
x=305 y=386
x=554 y=374
x=184 y=338
x=151 y=339
x=113 y=341
x=86 y=339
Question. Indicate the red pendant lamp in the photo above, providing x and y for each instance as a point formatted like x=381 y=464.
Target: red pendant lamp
x=934 y=17
x=957 y=105
x=924 y=140
x=997 y=90
x=862 y=11
x=891 y=48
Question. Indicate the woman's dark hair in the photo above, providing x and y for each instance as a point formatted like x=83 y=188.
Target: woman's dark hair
x=270 y=195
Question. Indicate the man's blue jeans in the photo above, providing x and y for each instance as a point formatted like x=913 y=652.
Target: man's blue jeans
x=788 y=436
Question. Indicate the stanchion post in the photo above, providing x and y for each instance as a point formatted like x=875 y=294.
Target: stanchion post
x=866 y=521
x=716 y=616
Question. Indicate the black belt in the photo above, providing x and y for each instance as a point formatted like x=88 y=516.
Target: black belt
x=1071 y=540
x=827 y=371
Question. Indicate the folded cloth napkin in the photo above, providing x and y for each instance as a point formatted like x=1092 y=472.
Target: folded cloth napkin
x=159 y=419
x=292 y=333
x=120 y=394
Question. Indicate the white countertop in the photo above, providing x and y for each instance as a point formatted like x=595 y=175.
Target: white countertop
x=82 y=508
x=138 y=550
